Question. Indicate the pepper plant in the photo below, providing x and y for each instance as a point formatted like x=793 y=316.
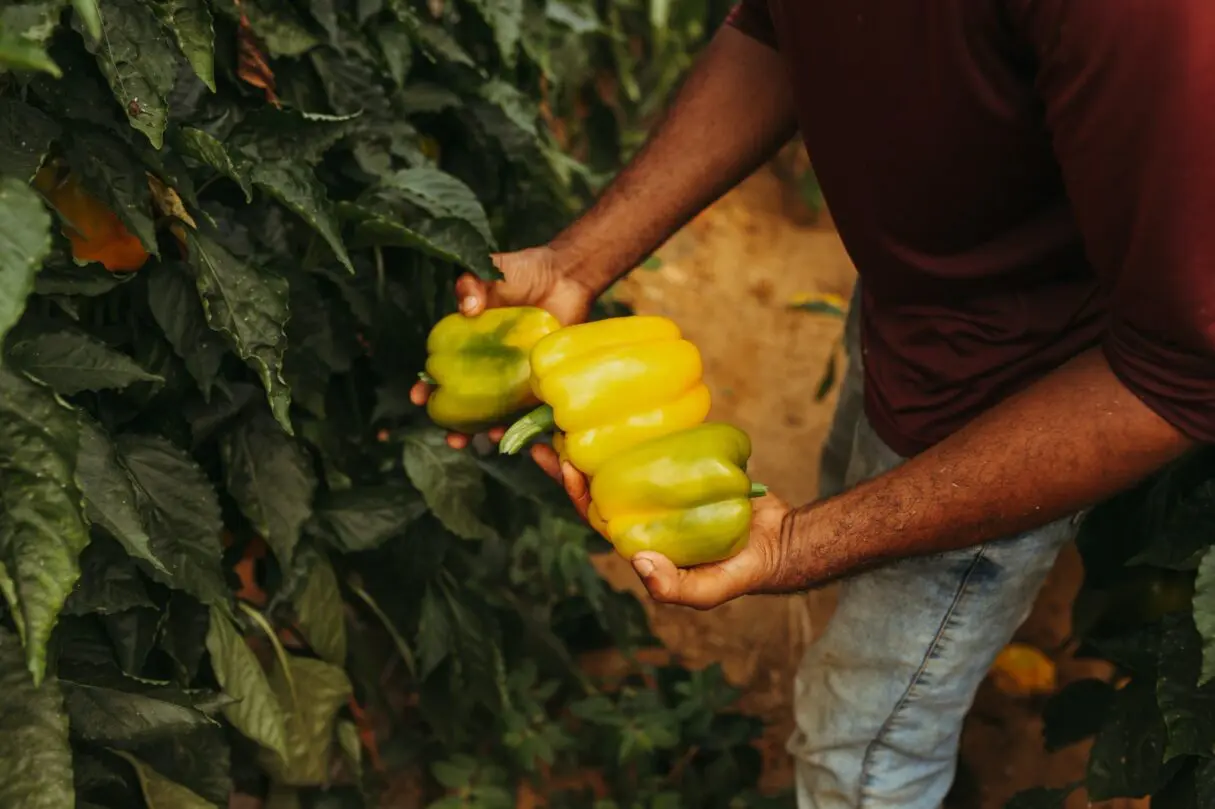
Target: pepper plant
x=235 y=559
x=1148 y=607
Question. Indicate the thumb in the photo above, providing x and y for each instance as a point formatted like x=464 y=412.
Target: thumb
x=702 y=587
x=473 y=294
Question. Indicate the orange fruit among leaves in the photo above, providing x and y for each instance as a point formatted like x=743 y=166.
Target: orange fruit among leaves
x=95 y=232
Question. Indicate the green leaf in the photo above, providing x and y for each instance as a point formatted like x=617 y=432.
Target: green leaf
x=140 y=64
x=161 y=793
x=25 y=241
x=1127 y=757
x=127 y=713
x=109 y=495
x=248 y=306
x=1188 y=711
x=321 y=690
x=181 y=514
x=365 y=518
x=454 y=240
x=295 y=186
x=434 y=41
x=450 y=481
x=192 y=27
x=321 y=613
x=270 y=477
x=110 y=172
x=109 y=581
x=435 y=641
x=202 y=147
x=86 y=281
x=173 y=299
x=35 y=759
x=256 y=713
x=20 y=53
x=71 y=362
x=1204 y=614
x=90 y=16
x=442 y=195
x=396 y=48
x=132 y=633
x=41 y=529
x=26 y=134
x=505 y=19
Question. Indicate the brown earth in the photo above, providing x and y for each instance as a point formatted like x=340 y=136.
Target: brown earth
x=727 y=278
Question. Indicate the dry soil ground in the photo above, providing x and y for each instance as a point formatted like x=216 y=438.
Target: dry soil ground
x=726 y=278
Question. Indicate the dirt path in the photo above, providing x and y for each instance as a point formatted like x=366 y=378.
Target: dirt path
x=726 y=279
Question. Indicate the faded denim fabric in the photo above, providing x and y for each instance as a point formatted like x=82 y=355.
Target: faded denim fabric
x=881 y=696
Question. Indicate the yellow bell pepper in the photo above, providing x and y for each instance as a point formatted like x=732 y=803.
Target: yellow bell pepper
x=685 y=495
x=480 y=368
x=611 y=384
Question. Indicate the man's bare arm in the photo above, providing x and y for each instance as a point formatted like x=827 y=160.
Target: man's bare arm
x=1073 y=439
x=732 y=113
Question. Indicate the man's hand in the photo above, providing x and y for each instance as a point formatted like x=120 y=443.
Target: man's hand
x=756 y=569
x=532 y=277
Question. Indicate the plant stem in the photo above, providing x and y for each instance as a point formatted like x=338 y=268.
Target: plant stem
x=758 y=490
x=525 y=429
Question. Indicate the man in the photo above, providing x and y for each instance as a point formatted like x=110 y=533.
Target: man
x=1027 y=189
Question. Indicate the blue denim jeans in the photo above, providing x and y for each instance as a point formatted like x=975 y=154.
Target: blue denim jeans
x=881 y=696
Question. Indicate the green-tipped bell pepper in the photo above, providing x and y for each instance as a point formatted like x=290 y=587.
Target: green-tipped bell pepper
x=685 y=495
x=480 y=366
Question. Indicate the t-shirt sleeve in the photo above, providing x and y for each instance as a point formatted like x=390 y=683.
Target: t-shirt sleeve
x=1129 y=92
x=753 y=19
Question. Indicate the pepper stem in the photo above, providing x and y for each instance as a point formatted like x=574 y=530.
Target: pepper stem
x=758 y=490
x=525 y=429
x=427 y=378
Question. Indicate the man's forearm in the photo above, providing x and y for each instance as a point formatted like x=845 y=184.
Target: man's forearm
x=1073 y=439
x=732 y=113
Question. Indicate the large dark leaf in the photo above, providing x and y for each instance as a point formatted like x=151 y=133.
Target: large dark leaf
x=256 y=712
x=133 y=634
x=42 y=531
x=71 y=362
x=505 y=19
x=1128 y=756
x=270 y=476
x=1189 y=711
x=199 y=760
x=248 y=306
x=24 y=242
x=450 y=239
x=126 y=713
x=203 y=147
x=363 y=519
x=441 y=195
x=295 y=186
x=25 y=137
x=139 y=62
x=109 y=581
x=173 y=299
x=449 y=480
x=190 y=23
x=181 y=512
x=320 y=691
x=35 y=760
x=183 y=634
x=109 y=494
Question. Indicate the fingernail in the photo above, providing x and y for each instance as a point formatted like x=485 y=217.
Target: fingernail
x=644 y=567
x=469 y=303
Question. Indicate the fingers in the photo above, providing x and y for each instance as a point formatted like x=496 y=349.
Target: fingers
x=419 y=393
x=703 y=587
x=546 y=458
x=576 y=487
x=473 y=294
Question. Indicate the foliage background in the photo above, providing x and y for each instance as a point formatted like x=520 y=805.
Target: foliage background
x=234 y=557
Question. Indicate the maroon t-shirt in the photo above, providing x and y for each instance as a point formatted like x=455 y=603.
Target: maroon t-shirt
x=1016 y=181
